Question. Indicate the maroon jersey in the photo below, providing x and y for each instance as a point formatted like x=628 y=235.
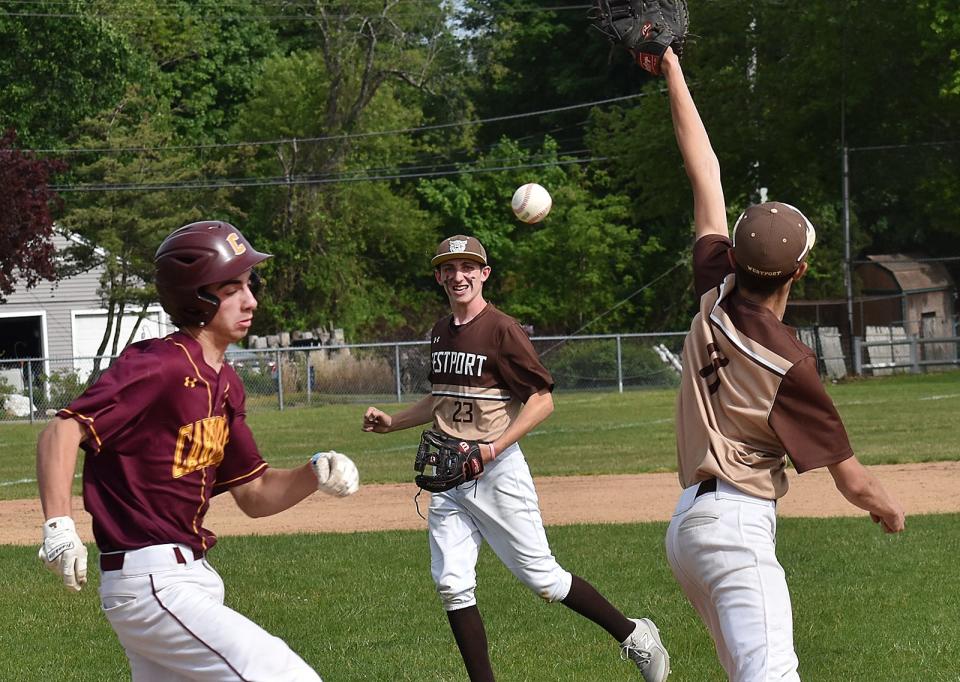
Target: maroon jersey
x=750 y=394
x=165 y=433
x=481 y=374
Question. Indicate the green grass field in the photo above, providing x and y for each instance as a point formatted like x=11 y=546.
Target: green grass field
x=868 y=607
x=362 y=607
x=897 y=419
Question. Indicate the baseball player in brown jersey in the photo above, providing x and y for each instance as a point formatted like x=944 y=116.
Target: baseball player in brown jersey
x=163 y=431
x=750 y=397
x=488 y=385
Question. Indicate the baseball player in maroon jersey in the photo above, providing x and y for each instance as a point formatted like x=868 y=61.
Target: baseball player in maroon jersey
x=488 y=385
x=750 y=397
x=163 y=431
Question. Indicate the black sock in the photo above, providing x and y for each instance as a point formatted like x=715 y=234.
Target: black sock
x=467 y=626
x=585 y=600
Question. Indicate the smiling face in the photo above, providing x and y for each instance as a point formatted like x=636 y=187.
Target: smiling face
x=462 y=279
x=235 y=313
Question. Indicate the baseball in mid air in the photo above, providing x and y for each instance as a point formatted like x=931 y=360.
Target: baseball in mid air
x=531 y=203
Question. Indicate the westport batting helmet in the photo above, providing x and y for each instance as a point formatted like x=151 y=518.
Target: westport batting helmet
x=195 y=256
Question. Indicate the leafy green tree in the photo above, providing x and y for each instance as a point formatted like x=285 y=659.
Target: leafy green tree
x=202 y=56
x=345 y=245
x=531 y=55
x=569 y=273
x=121 y=228
x=777 y=104
x=58 y=65
x=349 y=240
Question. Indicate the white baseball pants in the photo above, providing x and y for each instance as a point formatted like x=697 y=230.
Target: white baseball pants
x=171 y=621
x=721 y=548
x=503 y=509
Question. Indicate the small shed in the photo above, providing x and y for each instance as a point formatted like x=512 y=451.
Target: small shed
x=917 y=294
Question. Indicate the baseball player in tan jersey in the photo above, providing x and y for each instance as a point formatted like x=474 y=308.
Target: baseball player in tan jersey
x=488 y=385
x=750 y=397
x=164 y=430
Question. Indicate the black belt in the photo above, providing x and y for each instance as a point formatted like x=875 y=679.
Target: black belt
x=708 y=486
x=114 y=560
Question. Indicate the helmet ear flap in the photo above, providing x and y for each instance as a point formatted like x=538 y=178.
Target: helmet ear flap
x=209 y=304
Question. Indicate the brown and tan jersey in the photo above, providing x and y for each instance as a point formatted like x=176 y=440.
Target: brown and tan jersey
x=750 y=393
x=481 y=374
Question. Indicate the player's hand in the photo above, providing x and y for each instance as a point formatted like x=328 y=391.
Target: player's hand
x=63 y=552
x=336 y=473
x=893 y=522
x=376 y=420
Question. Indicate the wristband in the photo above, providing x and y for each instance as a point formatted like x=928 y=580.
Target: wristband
x=493 y=451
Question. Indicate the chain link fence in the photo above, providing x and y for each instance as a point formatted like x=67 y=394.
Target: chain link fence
x=280 y=378
x=377 y=373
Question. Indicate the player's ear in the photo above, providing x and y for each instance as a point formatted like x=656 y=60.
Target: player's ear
x=801 y=271
x=484 y=273
x=436 y=276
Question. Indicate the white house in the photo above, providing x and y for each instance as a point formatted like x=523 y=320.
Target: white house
x=63 y=323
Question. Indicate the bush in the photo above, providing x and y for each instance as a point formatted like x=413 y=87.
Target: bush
x=353 y=375
x=64 y=385
x=5 y=390
x=593 y=364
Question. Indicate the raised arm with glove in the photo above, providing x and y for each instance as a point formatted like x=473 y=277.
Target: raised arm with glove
x=646 y=28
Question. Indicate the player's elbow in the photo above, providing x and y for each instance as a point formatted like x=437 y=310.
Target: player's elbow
x=249 y=499
x=851 y=479
x=59 y=430
x=545 y=403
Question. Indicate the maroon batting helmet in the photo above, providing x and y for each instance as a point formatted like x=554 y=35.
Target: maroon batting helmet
x=195 y=256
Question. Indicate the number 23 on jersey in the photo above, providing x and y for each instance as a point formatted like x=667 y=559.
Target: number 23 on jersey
x=462 y=411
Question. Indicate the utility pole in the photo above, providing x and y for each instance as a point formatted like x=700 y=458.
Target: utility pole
x=847 y=262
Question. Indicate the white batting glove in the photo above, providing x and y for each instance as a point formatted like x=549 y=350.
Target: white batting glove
x=63 y=552
x=336 y=473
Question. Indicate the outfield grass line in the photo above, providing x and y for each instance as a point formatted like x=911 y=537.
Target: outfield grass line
x=18 y=481
x=28 y=480
x=884 y=401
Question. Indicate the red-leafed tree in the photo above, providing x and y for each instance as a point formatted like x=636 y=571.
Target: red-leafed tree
x=26 y=217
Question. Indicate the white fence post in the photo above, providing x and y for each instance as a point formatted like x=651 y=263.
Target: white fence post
x=30 y=384
x=619 y=365
x=396 y=370
x=279 y=381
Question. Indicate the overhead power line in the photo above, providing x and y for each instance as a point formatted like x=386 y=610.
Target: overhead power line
x=310 y=180
x=342 y=136
x=118 y=13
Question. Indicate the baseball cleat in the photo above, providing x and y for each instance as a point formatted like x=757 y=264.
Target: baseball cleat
x=644 y=648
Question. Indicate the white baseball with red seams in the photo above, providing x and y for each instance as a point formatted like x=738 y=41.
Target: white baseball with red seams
x=531 y=203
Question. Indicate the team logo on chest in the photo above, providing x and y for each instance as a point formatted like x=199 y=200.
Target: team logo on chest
x=200 y=445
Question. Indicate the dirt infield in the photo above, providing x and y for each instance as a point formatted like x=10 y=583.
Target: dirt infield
x=922 y=488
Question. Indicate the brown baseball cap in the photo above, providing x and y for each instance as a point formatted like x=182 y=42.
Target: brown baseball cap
x=772 y=239
x=460 y=246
